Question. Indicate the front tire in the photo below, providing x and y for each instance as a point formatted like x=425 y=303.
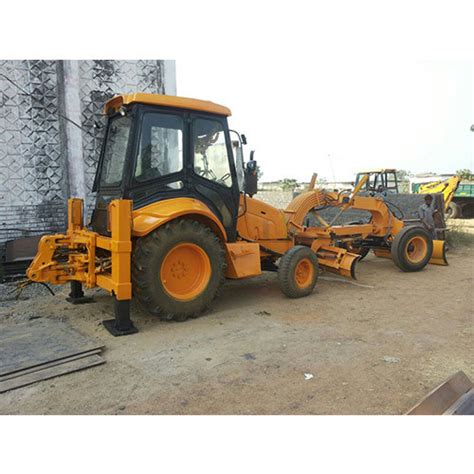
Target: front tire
x=177 y=270
x=298 y=271
x=412 y=248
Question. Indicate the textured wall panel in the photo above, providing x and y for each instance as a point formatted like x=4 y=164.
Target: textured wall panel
x=33 y=155
x=31 y=172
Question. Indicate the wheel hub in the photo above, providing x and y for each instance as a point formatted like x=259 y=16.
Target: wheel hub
x=416 y=249
x=185 y=271
x=178 y=269
x=304 y=273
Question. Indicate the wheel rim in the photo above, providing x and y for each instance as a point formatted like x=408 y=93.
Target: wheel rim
x=304 y=273
x=416 y=249
x=185 y=271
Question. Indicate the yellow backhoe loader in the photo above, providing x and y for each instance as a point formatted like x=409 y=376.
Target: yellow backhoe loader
x=447 y=187
x=386 y=181
x=175 y=216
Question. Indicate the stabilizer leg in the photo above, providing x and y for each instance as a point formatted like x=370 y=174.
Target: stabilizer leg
x=76 y=296
x=122 y=325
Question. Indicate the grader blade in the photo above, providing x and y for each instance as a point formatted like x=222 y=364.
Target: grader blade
x=439 y=253
x=338 y=260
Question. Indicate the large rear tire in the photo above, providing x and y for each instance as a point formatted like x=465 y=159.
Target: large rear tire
x=298 y=271
x=178 y=269
x=412 y=248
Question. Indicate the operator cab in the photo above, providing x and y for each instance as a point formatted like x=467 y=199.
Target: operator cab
x=161 y=147
x=382 y=181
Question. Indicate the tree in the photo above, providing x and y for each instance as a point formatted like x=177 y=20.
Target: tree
x=403 y=175
x=288 y=184
x=259 y=173
x=465 y=174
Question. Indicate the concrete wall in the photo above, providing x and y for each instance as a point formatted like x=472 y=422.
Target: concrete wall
x=278 y=199
x=49 y=145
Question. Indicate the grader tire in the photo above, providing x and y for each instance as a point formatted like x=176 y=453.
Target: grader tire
x=298 y=272
x=177 y=270
x=412 y=248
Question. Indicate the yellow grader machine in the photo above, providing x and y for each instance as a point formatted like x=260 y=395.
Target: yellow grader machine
x=175 y=215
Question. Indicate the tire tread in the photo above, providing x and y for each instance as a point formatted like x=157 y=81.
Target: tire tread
x=153 y=246
x=287 y=267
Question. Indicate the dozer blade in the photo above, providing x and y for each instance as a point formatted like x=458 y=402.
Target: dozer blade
x=338 y=260
x=348 y=265
x=439 y=253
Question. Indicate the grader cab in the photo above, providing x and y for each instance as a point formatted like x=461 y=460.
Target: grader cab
x=175 y=216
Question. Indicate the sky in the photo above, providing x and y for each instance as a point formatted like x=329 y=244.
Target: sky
x=331 y=87
x=303 y=115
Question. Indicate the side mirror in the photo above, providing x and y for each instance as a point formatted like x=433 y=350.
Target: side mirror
x=251 y=179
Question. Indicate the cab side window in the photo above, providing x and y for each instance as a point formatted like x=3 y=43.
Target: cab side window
x=211 y=160
x=161 y=146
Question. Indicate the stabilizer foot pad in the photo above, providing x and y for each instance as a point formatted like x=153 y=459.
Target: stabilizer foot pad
x=111 y=326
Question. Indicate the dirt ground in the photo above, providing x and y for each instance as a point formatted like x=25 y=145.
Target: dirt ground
x=461 y=225
x=374 y=346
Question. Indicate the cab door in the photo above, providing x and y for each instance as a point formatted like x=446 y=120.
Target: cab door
x=212 y=168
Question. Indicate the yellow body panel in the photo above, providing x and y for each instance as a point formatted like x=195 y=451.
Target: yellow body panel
x=260 y=221
x=264 y=224
x=243 y=260
x=116 y=102
x=148 y=218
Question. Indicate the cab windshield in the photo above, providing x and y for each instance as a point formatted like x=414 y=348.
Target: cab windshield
x=115 y=151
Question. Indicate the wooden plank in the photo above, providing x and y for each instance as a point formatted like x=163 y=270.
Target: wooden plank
x=442 y=397
x=35 y=343
x=50 y=372
x=49 y=364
